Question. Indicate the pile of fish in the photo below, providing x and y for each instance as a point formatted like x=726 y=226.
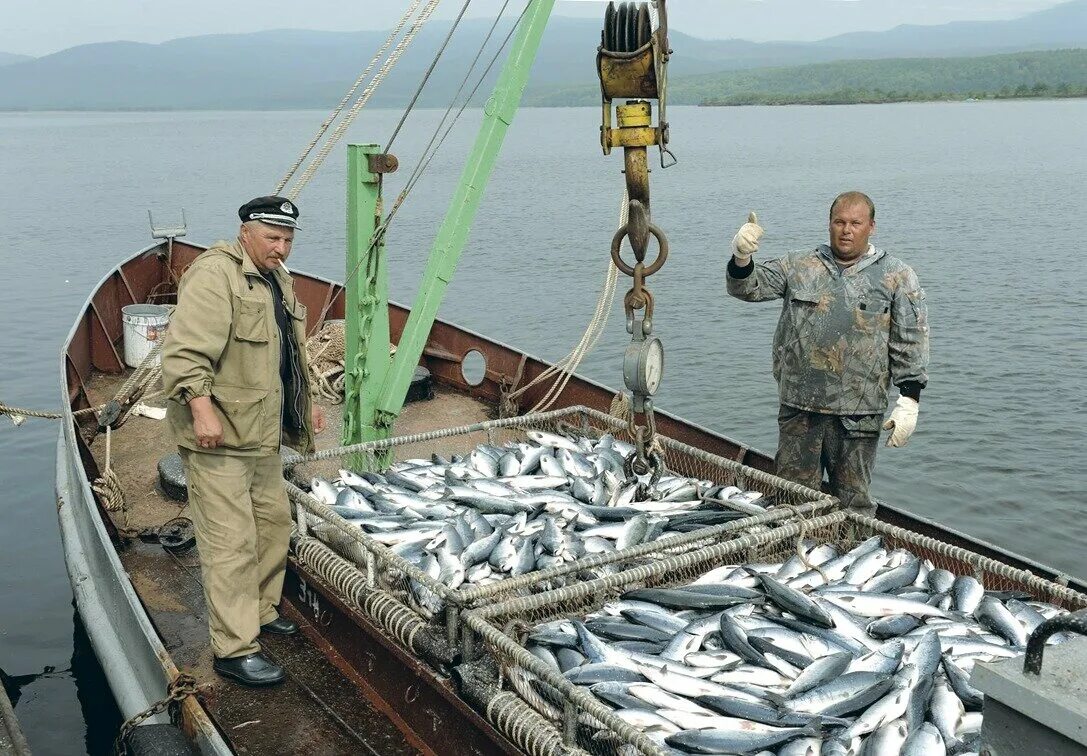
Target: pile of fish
x=863 y=652
x=507 y=511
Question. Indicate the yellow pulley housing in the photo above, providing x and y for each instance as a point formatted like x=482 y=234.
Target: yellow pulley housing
x=632 y=62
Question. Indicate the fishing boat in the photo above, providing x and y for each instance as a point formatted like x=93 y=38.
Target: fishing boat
x=366 y=675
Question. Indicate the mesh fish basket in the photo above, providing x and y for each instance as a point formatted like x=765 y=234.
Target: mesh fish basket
x=496 y=635
x=385 y=571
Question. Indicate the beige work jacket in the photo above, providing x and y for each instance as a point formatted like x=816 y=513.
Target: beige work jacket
x=223 y=342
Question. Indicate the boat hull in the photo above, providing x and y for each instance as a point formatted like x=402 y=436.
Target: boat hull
x=119 y=624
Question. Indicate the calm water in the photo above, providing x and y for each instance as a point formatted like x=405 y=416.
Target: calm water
x=985 y=200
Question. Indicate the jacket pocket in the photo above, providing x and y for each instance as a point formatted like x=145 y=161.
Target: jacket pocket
x=803 y=298
x=241 y=411
x=801 y=310
x=250 y=320
x=299 y=313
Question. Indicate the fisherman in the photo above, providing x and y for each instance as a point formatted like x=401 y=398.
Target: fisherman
x=853 y=320
x=234 y=366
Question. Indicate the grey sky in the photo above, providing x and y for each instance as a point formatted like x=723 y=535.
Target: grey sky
x=40 y=27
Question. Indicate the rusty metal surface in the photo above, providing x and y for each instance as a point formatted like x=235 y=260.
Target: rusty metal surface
x=318 y=710
x=628 y=74
x=408 y=690
x=383 y=163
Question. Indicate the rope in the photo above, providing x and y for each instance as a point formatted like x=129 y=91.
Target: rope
x=339 y=108
x=327 y=350
x=593 y=331
x=427 y=74
x=382 y=73
x=425 y=159
x=799 y=550
x=623 y=411
x=19 y=415
x=147 y=373
x=108 y=486
x=431 y=150
x=180 y=688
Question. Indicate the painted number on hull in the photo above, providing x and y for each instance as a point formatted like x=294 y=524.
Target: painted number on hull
x=308 y=597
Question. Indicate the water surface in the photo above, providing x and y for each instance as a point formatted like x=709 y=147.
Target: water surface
x=984 y=200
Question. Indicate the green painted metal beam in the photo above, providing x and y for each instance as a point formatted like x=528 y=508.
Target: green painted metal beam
x=453 y=233
x=366 y=358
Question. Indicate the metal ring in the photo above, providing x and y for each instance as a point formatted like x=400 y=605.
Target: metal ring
x=662 y=254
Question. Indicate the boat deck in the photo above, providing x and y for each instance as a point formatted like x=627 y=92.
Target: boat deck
x=322 y=708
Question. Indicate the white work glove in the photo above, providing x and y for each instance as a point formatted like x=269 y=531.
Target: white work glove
x=902 y=422
x=746 y=241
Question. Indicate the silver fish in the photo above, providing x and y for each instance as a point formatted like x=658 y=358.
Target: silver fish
x=924 y=741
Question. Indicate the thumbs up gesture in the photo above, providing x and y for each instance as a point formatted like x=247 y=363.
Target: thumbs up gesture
x=746 y=241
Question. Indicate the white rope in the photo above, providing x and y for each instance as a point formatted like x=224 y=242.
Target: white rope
x=566 y=367
x=354 y=87
x=342 y=127
x=569 y=364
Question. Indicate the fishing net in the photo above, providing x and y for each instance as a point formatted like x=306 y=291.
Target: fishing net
x=437 y=605
x=325 y=350
x=498 y=632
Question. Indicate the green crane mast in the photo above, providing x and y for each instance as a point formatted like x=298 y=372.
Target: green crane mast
x=377 y=384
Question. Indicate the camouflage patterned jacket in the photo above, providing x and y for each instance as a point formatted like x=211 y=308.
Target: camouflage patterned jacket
x=842 y=336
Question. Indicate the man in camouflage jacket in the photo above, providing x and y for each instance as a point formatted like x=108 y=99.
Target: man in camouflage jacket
x=853 y=321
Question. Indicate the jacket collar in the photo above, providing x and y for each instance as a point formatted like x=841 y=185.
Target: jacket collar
x=874 y=254
x=236 y=251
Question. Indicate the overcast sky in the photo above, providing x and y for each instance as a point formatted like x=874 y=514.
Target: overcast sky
x=40 y=27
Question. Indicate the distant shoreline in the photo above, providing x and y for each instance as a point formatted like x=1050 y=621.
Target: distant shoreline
x=815 y=100
x=880 y=99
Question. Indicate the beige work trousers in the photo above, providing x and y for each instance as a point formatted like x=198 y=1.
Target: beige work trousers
x=243 y=526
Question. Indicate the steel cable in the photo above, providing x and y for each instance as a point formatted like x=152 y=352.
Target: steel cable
x=383 y=72
x=323 y=128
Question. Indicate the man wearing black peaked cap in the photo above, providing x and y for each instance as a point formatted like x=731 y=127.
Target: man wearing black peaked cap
x=235 y=369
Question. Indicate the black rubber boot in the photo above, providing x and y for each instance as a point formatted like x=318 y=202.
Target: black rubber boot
x=253 y=669
x=280 y=626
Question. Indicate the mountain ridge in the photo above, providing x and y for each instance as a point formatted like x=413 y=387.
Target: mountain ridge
x=188 y=73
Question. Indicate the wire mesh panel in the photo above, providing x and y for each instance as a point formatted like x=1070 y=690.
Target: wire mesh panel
x=500 y=632
x=434 y=601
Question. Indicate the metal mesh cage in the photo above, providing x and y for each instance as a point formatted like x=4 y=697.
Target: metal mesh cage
x=386 y=571
x=498 y=631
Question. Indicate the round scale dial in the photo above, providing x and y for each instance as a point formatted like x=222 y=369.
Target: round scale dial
x=643 y=367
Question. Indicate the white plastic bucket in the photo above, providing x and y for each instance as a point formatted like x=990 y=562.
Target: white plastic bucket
x=144 y=326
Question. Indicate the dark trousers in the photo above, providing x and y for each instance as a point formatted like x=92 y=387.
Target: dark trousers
x=810 y=443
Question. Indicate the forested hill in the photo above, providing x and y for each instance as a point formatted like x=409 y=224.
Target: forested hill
x=1059 y=73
